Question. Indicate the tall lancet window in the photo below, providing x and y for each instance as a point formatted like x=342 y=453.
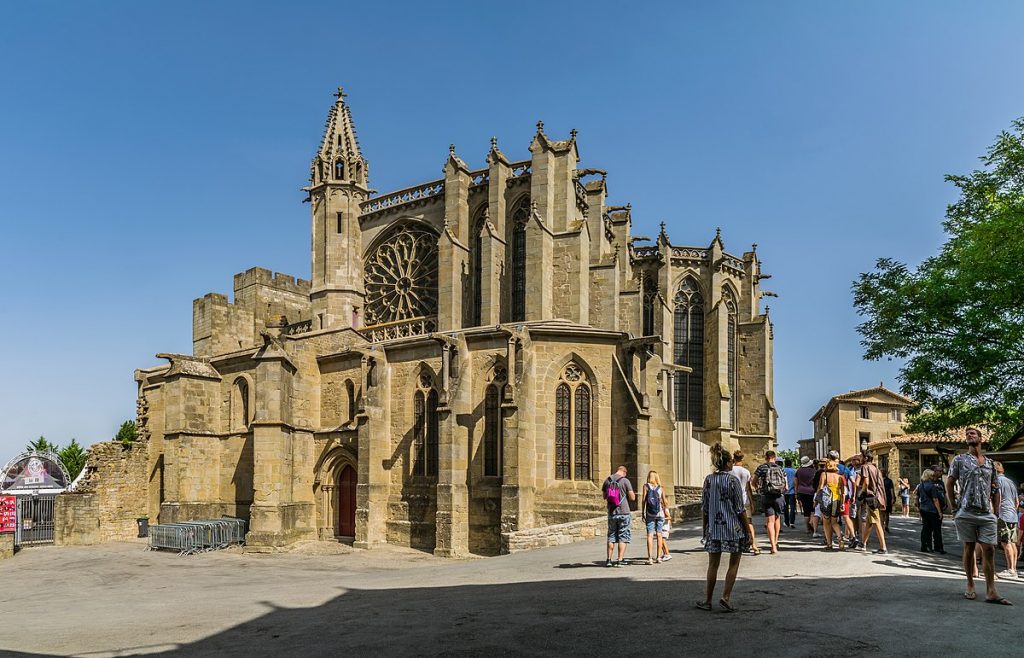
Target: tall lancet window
x=425 y=428
x=573 y=414
x=479 y=226
x=730 y=308
x=520 y=216
x=688 y=350
x=650 y=290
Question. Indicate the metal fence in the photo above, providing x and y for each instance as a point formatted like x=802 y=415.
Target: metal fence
x=35 y=520
x=189 y=537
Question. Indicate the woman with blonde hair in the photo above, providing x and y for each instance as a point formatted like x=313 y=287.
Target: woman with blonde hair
x=725 y=526
x=831 y=497
x=655 y=513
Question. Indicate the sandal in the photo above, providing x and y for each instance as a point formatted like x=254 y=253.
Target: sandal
x=754 y=550
x=970 y=596
x=728 y=607
x=999 y=601
x=703 y=605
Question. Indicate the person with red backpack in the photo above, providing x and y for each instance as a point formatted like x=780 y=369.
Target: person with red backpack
x=618 y=492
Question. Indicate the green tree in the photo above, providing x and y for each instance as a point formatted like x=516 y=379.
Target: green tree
x=42 y=445
x=792 y=454
x=73 y=458
x=127 y=432
x=957 y=319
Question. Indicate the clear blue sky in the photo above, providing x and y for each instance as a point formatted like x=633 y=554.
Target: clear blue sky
x=148 y=152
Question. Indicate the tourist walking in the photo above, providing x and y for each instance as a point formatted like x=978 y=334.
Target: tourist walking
x=743 y=475
x=853 y=505
x=831 y=497
x=1006 y=524
x=805 y=490
x=930 y=504
x=871 y=502
x=726 y=526
x=618 y=492
x=655 y=511
x=890 y=496
x=663 y=554
x=789 y=501
x=770 y=481
x=974 y=518
x=904 y=486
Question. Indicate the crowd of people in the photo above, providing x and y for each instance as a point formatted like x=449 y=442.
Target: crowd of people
x=845 y=504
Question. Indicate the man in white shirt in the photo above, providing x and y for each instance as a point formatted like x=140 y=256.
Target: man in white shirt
x=743 y=475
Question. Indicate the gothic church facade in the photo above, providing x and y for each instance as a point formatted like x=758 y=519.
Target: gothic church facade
x=469 y=360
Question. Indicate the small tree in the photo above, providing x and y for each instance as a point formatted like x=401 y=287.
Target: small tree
x=127 y=433
x=792 y=455
x=73 y=458
x=42 y=445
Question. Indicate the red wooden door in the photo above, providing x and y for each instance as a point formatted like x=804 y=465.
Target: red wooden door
x=347 y=502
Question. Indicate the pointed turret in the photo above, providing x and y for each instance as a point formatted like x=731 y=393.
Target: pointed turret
x=339 y=180
x=339 y=158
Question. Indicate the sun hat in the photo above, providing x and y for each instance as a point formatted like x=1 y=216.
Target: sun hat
x=805 y=461
x=833 y=454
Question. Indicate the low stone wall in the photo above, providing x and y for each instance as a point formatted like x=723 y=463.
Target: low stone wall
x=107 y=500
x=6 y=545
x=687 y=495
x=576 y=531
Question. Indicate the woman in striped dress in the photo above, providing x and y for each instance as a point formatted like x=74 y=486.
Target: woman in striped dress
x=725 y=526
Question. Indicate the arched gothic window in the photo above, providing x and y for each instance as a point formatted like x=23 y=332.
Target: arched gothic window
x=730 y=308
x=425 y=430
x=650 y=291
x=688 y=350
x=493 y=441
x=401 y=276
x=520 y=216
x=478 y=226
x=339 y=169
x=350 y=398
x=240 y=417
x=573 y=416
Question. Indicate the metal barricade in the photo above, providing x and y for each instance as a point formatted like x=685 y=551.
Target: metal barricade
x=189 y=537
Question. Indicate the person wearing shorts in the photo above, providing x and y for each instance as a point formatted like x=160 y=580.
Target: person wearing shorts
x=619 y=514
x=975 y=520
x=1006 y=524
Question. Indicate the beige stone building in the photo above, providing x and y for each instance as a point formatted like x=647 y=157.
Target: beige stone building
x=851 y=421
x=469 y=360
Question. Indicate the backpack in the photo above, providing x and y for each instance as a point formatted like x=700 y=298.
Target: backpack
x=774 y=481
x=824 y=499
x=653 y=502
x=612 y=493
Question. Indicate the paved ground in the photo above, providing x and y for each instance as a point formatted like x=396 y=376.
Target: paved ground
x=122 y=600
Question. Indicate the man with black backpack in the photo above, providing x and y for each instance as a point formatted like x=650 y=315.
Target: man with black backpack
x=618 y=492
x=770 y=480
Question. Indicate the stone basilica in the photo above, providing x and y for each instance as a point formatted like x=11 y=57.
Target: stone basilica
x=469 y=360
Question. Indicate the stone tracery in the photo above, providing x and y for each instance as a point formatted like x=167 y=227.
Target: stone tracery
x=401 y=277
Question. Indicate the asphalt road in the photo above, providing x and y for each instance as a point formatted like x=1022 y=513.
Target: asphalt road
x=326 y=599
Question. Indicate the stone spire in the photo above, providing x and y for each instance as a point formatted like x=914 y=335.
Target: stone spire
x=339 y=158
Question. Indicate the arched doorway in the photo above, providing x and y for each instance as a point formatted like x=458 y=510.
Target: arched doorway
x=347 y=502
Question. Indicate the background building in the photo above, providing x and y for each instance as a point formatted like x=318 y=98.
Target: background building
x=851 y=421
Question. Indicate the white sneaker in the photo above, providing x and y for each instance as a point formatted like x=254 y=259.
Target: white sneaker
x=666 y=558
x=1007 y=574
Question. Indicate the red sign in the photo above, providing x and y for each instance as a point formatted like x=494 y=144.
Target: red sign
x=8 y=513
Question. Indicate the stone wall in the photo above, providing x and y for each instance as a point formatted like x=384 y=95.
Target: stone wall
x=109 y=498
x=577 y=531
x=6 y=545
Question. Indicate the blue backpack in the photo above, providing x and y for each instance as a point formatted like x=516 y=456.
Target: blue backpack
x=653 y=502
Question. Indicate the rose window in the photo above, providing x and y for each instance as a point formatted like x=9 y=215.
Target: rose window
x=401 y=277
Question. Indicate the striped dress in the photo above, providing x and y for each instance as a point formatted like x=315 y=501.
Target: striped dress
x=722 y=502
